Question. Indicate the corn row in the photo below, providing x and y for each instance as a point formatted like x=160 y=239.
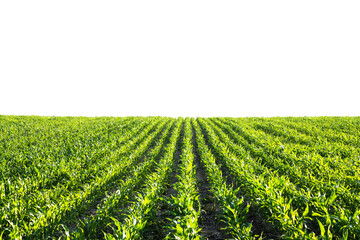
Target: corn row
x=51 y=209
x=280 y=191
x=290 y=165
x=139 y=211
x=233 y=208
x=185 y=204
x=91 y=226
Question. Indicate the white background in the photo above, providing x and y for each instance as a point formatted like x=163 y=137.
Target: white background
x=180 y=58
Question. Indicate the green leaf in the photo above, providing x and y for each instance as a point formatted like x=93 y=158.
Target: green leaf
x=322 y=229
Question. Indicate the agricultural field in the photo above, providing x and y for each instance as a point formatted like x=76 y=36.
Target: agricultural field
x=179 y=178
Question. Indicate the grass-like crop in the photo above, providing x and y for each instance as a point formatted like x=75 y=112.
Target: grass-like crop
x=116 y=178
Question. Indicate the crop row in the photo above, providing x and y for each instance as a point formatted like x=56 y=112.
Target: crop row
x=114 y=178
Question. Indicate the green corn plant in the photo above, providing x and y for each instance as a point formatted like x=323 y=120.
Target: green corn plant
x=139 y=212
x=106 y=210
x=261 y=191
x=184 y=225
x=231 y=206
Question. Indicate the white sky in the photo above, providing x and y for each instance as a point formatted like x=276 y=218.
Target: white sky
x=180 y=58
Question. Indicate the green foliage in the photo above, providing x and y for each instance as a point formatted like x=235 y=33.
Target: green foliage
x=94 y=178
x=185 y=213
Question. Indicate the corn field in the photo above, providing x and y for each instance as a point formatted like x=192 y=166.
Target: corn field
x=179 y=178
